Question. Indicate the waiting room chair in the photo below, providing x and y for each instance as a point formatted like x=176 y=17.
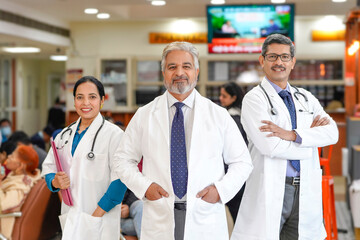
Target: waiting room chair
x=328 y=196
x=29 y=223
x=325 y=161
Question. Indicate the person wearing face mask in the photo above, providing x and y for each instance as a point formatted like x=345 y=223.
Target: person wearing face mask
x=5 y=128
x=183 y=140
x=86 y=149
x=285 y=126
x=14 y=189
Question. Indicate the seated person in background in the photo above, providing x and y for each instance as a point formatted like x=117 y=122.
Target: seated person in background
x=14 y=189
x=42 y=137
x=22 y=137
x=131 y=214
x=6 y=149
x=5 y=129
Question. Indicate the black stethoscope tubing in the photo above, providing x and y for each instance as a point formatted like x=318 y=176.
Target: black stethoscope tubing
x=90 y=155
x=273 y=109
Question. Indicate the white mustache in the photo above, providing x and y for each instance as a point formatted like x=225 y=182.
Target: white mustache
x=182 y=77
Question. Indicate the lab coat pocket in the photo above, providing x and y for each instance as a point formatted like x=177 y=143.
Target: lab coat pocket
x=204 y=212
x=158 y=215
x=95 y=169
x=90 y=227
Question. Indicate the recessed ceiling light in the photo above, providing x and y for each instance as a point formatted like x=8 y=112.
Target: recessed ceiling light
x=278 y=1
x=158 y=3
x=91 y=11
x=103 y=16
x=21 y=49
x=58 y=57
x=339 y=0
x=217 y=2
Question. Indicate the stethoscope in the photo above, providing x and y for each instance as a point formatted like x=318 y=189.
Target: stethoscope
x=273 y=109
x=90 y=156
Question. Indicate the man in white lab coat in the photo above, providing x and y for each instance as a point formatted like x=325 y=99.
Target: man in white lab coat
x=285 y=125
x=184 y=140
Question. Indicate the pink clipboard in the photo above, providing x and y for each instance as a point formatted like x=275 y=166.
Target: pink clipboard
x=66 y=195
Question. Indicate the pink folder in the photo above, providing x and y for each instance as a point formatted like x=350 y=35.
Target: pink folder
x=66 y=195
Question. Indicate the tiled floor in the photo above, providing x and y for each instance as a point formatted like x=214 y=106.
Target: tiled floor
x=343 y=219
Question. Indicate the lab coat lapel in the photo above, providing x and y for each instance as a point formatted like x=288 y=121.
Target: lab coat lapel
x=300 y=120
x=87 y=140
x=199 y=115
x=161 y=114
x=276 y=99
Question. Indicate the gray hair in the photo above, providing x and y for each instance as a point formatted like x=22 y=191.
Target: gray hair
x=280 y=39
x=182 y=46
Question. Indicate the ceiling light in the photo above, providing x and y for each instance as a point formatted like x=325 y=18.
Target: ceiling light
x=103 y=16
x=339 y=0
x=21 y=49
x=217 y=2
x=91 y=11
x=158 y=3
x=59 y=58
x=278 y=1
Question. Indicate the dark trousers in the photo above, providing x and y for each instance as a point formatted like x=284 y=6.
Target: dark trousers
x=179 y=215
x=289 y=225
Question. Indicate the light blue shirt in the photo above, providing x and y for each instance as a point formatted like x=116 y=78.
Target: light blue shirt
x=290 y=170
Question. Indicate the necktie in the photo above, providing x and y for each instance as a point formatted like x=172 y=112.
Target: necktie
x=285 y=95
x=179 y=171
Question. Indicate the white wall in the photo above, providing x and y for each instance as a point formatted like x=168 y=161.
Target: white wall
x=122 y=39
x=31 y=75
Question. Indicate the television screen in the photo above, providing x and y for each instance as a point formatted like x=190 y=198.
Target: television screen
x=243 y=28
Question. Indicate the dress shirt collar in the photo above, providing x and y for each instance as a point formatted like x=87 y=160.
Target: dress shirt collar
x=277 y=88
x=189 y=101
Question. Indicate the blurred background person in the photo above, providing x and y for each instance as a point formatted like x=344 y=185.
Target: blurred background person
x=5 y=128
x=20 y=137
x=24 y=174
x=56 y=116
x=131 y=214
x=41 y=138
x=231 y=97
x=6 y=149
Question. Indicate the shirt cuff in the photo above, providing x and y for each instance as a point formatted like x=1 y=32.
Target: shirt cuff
x=298 y=138
x=113 y=196
x=48 y=179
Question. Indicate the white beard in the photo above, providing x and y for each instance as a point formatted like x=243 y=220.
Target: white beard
x=180 y=87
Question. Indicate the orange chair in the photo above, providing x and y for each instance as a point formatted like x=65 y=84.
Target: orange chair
x=29 y=224
x=328 y=196
x=329 y=207
x=325 y=161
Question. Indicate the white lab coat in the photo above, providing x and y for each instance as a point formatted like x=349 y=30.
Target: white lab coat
x=260 y=210
x=215 y=139
x=89 y=180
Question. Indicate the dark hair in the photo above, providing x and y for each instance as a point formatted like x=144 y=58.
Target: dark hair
x=28 y=156
x=20 y=136
x=8 y=147
x=5 y=120
x=234 y=90
x=280 y=39
x=97 y=83
x=49 y=130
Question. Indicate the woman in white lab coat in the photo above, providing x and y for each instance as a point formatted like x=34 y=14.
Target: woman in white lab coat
x=86 y=150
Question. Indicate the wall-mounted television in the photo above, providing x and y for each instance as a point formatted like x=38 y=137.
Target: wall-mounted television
x=243 y=28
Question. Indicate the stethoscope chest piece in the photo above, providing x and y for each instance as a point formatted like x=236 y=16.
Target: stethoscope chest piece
x=90 y=156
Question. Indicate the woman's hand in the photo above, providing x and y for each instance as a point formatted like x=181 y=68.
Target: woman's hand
x=61 y=181
x=99 y=212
